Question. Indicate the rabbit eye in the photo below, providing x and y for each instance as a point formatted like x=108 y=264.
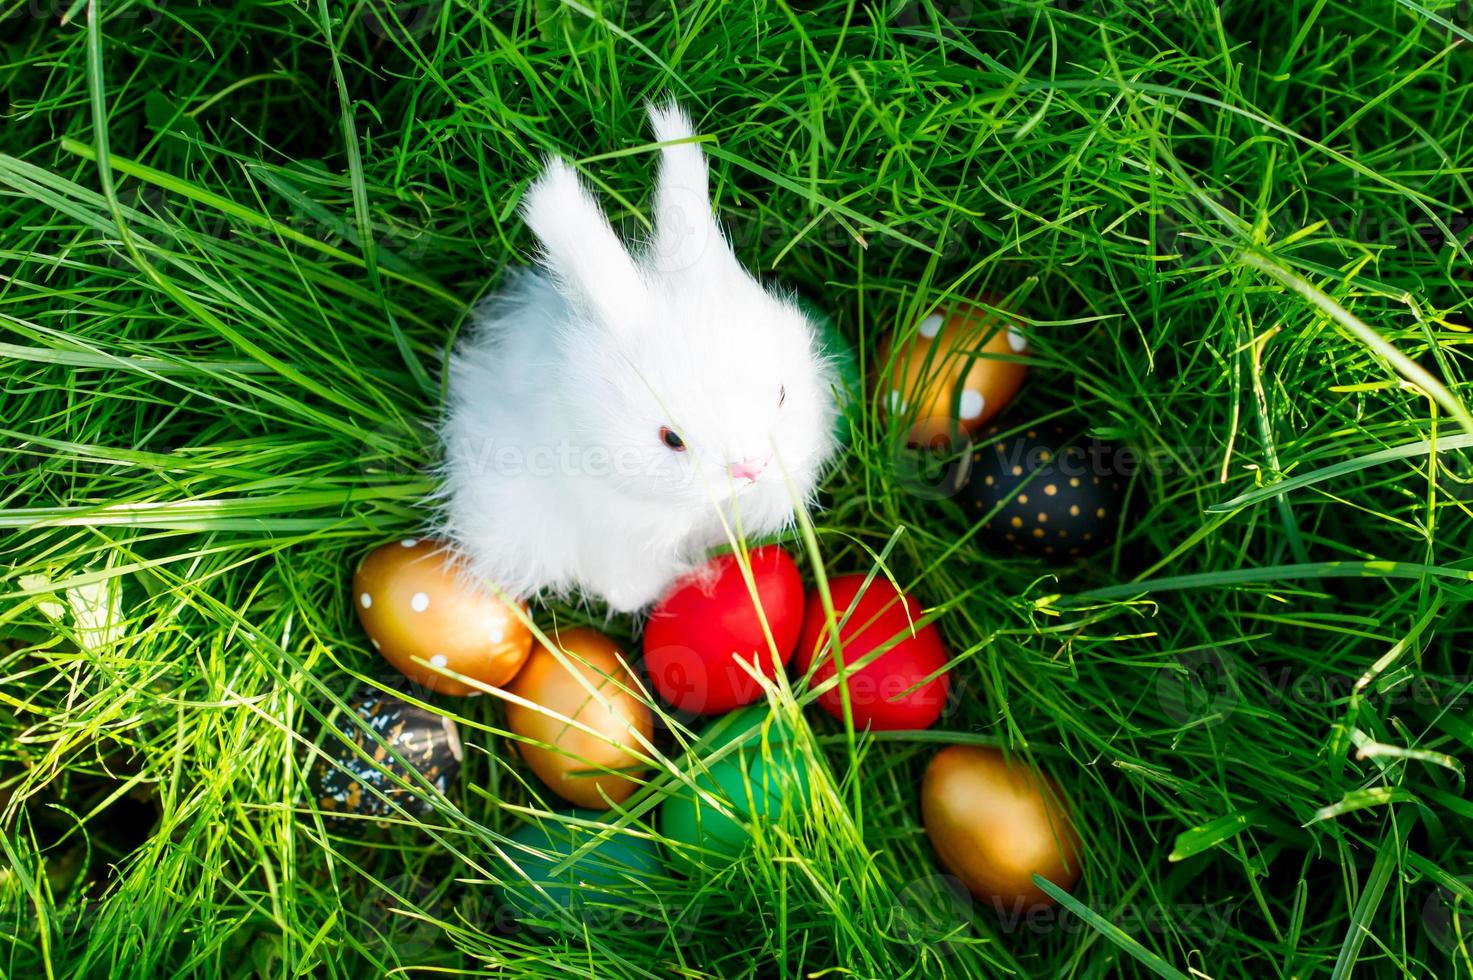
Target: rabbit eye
x=669 y=438
x=782 y=395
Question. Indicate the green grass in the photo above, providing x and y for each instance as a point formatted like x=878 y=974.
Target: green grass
x=238 y=238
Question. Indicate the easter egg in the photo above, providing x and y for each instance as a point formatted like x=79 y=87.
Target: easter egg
x=904 y=687
x=758 y=780
x=995 y=823
x=957 y=371
x=593 y=884
x=848 y=386
x=587 y=742
x=349 y=780
x=1047 y=492
x=707 y=621
x=414 y=603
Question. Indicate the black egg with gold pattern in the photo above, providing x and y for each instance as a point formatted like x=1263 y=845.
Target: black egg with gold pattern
x=1047 y=492
x=347 y=783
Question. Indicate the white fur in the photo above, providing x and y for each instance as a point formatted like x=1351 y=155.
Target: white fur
x=554 y=476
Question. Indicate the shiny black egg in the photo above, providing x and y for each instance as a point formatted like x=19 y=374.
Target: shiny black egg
x=360 y=776
x=1051 y=491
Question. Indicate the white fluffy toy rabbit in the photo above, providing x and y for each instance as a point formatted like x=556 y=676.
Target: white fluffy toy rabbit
x=613 y=416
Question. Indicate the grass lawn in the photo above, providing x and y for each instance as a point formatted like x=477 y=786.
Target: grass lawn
x=237 y=239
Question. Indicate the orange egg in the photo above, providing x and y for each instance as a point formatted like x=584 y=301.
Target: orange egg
x=956 y=372
x=995 y=822
x=413 y=603
x=581 y=735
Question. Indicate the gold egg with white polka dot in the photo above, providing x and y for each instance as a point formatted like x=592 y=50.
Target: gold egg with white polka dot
x=958 y=369
x=1048 y=491
x=425 y=617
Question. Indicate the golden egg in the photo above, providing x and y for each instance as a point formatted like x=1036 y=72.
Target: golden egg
x=587 y=722
x=414 y=603
x=995 y=822
x=955 y=373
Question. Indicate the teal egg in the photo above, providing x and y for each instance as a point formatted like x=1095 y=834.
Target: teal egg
x=756 y=785
x=833 y=345
x=597 y=880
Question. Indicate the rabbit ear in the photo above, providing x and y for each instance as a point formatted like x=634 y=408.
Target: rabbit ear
x=687 y=238
x=587 y=260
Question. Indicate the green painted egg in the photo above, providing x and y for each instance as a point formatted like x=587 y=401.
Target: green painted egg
x=759 y=780
x=597 y=882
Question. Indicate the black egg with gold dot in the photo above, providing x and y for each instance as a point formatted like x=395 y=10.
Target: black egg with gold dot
x=345 y=783
x=1049 y=492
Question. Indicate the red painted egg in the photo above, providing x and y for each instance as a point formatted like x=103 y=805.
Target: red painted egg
x=883 y=694
x=707 y=621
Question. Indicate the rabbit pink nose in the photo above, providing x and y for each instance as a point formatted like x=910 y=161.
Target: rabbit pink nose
x=748 y=469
